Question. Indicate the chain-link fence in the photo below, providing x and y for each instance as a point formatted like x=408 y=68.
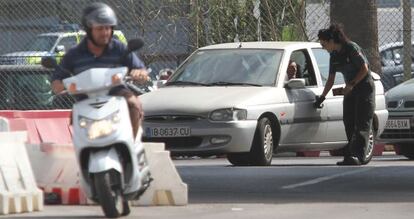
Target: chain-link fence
x=172 y=29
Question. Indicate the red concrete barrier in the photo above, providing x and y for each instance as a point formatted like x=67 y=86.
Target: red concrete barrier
x=43 y=126
x=308 y=154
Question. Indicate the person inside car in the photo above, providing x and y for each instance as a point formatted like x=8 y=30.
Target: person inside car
x=292 y=70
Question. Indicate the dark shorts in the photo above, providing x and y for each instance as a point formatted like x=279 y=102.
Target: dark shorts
x=116 y=91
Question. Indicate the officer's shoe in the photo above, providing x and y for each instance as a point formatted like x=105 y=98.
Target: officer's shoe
x=349 y=161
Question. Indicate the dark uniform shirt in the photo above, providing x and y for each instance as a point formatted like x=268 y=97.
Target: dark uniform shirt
x=79 y=59
x=348 y=61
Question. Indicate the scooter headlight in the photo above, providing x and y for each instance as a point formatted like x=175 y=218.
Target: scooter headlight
x=100 y=128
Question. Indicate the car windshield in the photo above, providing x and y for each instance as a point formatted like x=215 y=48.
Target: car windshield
x=230 y=67
x=41 y=43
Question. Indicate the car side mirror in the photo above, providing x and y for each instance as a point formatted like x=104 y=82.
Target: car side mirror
x=60 y=48
x=295 y=83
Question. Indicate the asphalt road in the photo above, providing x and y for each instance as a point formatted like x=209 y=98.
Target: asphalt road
x=291 y=188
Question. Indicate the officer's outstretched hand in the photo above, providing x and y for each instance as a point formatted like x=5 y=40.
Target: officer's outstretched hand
x=318 y=101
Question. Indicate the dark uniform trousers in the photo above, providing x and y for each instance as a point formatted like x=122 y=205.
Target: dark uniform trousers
x=358 y=113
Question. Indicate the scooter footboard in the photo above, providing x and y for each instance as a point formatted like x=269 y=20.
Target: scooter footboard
x=103 y=160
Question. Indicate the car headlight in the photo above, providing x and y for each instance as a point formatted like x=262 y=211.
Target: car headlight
x=100 y=128
x=229 y=114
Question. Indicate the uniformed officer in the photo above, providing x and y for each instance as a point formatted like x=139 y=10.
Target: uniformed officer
x=359 y=93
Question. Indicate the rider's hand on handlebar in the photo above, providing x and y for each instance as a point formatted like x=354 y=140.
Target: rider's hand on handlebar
x=57 y=86
x=140 y=75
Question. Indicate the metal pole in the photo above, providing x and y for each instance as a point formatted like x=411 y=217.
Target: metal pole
x=407 y=38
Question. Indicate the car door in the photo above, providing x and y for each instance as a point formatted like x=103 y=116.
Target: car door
x=335 y=126
x=306 y=122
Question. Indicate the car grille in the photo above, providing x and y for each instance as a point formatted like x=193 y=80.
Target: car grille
x=394 y=104
x=172 y=118
x=398 y=133
x=8 y=61
x=409 y=104
x=180 y=142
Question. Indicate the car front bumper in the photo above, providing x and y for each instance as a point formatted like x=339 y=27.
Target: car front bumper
x=397 y=135
x=230 y=137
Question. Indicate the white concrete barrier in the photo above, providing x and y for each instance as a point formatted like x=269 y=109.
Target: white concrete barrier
x=4 y=125
x=167 y=188
x=62 y=175
x=18 y=189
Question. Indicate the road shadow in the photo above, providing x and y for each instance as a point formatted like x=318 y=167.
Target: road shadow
x=299 y=183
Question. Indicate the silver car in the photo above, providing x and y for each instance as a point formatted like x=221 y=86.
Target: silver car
x=399 y=129
x=236 y=99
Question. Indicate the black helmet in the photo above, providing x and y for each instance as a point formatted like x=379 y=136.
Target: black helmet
x=98 y=14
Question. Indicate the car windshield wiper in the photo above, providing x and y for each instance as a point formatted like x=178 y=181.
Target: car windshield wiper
x=223 y=83
x=185 y=83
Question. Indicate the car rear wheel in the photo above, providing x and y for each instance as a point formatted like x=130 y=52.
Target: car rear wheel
x=369 y=151
x=407 y=150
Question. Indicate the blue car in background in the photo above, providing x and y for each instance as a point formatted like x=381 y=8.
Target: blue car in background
x=392 y=58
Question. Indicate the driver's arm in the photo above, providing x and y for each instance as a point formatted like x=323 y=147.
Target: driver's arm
x=61 y=72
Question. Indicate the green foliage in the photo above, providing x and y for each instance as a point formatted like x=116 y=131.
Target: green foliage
x=218 y=21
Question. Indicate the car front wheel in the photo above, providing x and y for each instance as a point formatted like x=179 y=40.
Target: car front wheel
x=261 y=151
x=239 y=159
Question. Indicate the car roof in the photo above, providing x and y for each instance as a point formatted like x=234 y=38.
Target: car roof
x=391 y=45
x=61 y=33
x=71 y=33
x=291 y=45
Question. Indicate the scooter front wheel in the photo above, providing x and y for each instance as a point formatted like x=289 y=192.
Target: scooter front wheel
x=109 y=195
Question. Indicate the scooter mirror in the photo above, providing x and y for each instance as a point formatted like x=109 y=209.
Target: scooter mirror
x=48 y=62
x=135 y=44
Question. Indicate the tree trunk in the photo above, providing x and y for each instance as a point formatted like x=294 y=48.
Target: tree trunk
x=359 y=18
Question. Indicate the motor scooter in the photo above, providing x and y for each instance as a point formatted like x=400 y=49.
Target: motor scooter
x=112 y=162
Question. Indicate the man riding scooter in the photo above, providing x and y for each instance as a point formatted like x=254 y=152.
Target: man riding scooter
x=111 y=157
x=99 y=49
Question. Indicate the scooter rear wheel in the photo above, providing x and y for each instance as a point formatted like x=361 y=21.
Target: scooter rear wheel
x=109 y=195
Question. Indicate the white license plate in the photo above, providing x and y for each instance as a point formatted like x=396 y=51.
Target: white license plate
x=167 y=132
x=398 y=124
